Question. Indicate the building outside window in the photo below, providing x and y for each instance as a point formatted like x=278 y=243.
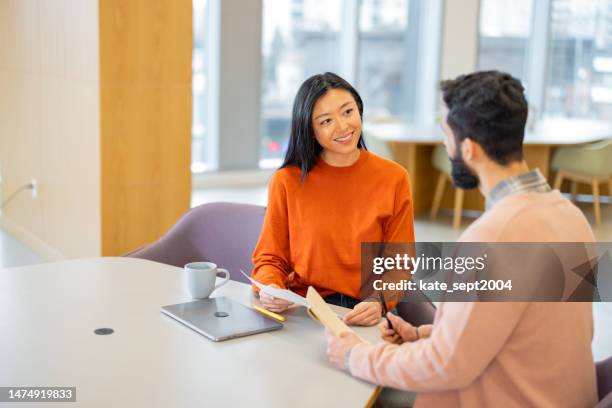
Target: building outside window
x=505 y=27
x=300 y=38
x=560 y=49
x=371 y=43
x=383 y=66
x=579 y=80
x=571 y=68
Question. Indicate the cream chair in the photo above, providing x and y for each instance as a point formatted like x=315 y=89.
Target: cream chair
x=441 y=162
x=590 y=164
x=379 y=146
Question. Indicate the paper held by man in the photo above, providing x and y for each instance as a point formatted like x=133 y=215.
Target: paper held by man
x=313 y=302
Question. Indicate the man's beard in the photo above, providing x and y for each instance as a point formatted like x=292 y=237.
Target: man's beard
x=462 y=176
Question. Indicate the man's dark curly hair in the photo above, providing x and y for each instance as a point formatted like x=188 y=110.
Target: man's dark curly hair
x=490 y=108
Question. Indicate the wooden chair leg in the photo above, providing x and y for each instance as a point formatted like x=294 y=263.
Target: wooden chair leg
x=558 y=180
x=438 y=196
x=574 y=189
x=595 y=185
x=458 y=207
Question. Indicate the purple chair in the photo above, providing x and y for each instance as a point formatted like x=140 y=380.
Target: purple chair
x=604 y=382
x=226 y=234
x=416 y=313
x=223 y=233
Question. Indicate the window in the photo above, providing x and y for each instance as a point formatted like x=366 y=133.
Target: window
x=505 y=27
x=569 y=70
x=374 y=44
x=201 y=153
x=300 y=39
x=579 y=80
x=383 y=63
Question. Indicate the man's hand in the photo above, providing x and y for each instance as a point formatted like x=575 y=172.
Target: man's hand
x=273 y=304
x=338 y=346
x=364 y=314
x=402 y=330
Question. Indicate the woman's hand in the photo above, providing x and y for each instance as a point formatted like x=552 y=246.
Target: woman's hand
x=273 y=304
x=402 y=331
x=364 y=314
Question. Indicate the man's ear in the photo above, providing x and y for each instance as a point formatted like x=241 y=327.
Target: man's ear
x=468 y=149
x=473 y=152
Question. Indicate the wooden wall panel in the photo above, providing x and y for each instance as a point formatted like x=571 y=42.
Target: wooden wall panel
x=145 y=94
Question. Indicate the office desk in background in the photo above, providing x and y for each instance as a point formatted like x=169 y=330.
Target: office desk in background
x=48 y=313
x=412 y=147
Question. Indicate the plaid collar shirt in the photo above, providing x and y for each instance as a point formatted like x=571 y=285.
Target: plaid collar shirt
x=532 y=181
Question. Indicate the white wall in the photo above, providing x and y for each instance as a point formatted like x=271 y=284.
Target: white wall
x=49 y=123
x=49 y=109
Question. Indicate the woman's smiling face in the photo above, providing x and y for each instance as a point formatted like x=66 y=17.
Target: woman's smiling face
x=337 y=125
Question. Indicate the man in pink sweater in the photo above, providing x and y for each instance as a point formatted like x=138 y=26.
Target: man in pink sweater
x=491 y=354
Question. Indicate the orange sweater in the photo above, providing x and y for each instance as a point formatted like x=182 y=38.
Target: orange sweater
x=312 y=231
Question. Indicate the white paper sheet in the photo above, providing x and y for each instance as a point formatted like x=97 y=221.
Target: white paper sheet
x=285 y=294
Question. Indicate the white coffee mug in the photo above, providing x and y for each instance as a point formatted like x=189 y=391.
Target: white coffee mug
x=201 y=278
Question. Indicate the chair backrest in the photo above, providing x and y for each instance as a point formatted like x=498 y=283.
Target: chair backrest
x=439 y=159
x=590 y=159
x=416 y=313
x=223 y=233
x=226 y=234
x=604 y=378
x=606 y=402
x=379 y=147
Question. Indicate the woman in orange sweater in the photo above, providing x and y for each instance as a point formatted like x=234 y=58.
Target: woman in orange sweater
x=328 y=197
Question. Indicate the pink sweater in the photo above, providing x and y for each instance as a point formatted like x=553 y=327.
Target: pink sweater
x=499 y=354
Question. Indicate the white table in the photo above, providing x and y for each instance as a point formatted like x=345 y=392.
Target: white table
x=555 y=132
x=48 y=313
x=412 y=147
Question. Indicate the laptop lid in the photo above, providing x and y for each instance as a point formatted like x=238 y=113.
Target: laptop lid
x=220 y=318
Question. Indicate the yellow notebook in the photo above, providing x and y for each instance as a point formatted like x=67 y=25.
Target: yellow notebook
x=320 y=311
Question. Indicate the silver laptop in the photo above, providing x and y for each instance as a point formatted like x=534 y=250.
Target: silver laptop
x=220 y=318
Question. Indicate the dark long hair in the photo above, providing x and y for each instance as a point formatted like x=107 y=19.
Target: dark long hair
x=303 y=150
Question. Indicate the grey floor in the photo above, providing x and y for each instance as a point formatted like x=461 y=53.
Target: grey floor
x=15 y=253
